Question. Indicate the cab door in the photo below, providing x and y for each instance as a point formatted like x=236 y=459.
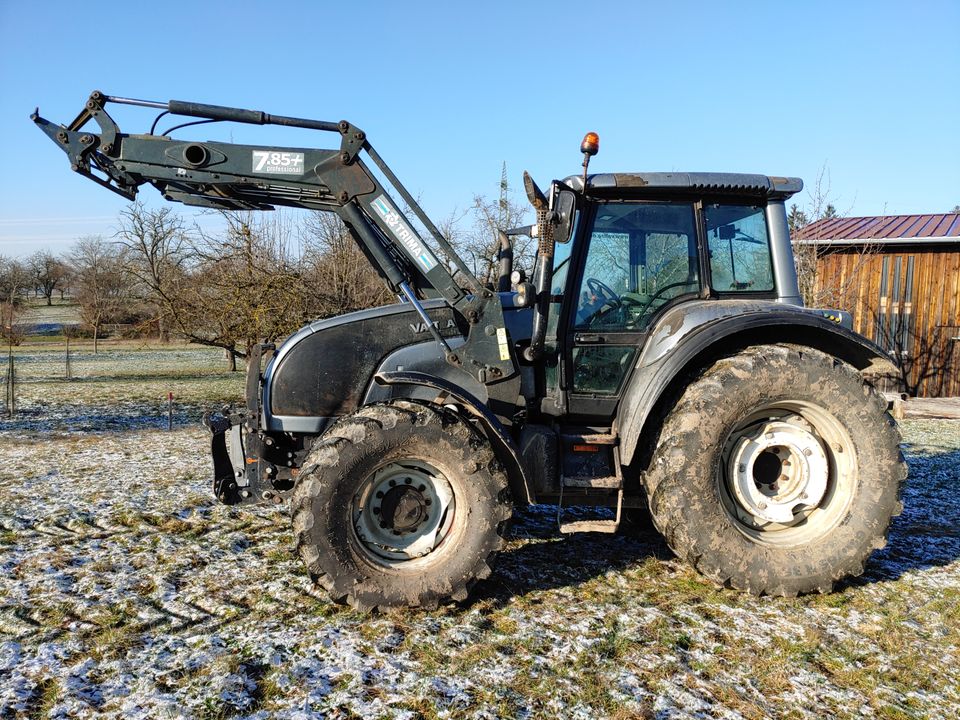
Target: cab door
x=634 y=259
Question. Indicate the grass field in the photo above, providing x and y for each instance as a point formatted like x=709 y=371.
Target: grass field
x=36 y=311
x=124 y=386
x=127 y=592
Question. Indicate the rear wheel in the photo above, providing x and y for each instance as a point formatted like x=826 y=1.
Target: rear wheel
x=778 y=471
x=400 y=505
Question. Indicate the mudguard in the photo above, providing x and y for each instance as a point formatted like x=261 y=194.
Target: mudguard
x=504 y=446
x=693 y=334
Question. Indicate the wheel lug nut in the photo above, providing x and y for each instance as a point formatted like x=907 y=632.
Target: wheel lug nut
x=379 y=494
x=393 y=483
x=742 y=468
x=808 y=452
x=376 y=511
x=762 y=506
x=408 y=481
x=427 y=501
x=421 y=487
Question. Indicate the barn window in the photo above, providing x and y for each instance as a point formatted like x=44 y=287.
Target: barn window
x=906 y=317
x=880 y=335
x=895 y=310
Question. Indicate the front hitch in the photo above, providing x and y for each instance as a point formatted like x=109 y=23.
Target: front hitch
x=228 y=458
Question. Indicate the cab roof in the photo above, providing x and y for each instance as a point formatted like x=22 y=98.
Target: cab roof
x=779 y=188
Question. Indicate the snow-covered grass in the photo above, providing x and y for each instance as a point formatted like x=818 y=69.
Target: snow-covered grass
x=124 y=386
x=126 y=591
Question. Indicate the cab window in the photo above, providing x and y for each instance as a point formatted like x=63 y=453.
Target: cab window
x=640 y=256
x=739 y=248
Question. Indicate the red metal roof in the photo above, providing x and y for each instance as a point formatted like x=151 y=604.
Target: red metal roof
x=888 y=227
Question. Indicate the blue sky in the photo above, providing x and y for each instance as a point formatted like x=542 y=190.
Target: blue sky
x=868 y=91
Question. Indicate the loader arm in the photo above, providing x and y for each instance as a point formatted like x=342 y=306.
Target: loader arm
x=231 y=176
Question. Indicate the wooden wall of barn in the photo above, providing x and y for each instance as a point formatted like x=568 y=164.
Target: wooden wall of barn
x=906 y=299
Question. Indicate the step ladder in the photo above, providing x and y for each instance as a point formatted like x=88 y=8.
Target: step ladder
x=604 y=482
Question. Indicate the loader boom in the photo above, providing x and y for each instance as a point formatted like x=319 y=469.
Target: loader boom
x=230 y=176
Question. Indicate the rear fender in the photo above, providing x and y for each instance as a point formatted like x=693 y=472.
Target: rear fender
x=658 y=380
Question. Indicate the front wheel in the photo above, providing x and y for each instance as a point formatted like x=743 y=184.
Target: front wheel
x=400 y=505
x=778 y=471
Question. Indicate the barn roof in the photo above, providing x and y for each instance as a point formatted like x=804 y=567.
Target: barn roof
x=882 y=230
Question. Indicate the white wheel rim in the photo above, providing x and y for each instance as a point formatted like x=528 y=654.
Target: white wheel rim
x=776 y=470
x=788 y=474
x=403 y=511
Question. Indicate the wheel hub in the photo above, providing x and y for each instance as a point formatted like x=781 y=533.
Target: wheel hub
x=775 y=469
x=403 y=511
x=403 y=508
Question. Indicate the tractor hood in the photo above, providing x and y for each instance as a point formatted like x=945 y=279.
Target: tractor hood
x=325 y=369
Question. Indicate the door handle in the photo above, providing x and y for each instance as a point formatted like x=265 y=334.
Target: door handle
x=587 y=338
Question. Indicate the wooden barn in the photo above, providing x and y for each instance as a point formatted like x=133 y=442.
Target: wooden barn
x=899 y=276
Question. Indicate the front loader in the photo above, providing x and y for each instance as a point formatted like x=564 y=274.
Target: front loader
x=660 y=360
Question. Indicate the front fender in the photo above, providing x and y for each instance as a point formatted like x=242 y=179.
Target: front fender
x=504 y=447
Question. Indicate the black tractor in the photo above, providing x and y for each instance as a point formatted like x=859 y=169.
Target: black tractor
x=658 y=360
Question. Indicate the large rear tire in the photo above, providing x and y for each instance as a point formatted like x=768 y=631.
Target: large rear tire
x=778 y=472
x=400 y=505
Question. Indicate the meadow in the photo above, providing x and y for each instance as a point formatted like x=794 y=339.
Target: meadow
x=126 y=591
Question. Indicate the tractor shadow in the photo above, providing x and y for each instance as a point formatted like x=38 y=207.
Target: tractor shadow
x=546 y=559
x=925 y=536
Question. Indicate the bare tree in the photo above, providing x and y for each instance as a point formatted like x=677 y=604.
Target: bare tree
x=245 y=286
x=15 y=278
x=102 y=283
x=817 y=289
x=480 y=245
x=338 y=277
x=48 y=272
x=158 y=253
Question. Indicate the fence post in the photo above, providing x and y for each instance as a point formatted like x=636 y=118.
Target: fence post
x=169 y=411
x=69 y=375
x=11 y=385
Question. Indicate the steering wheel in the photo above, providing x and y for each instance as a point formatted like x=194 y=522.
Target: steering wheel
x=604 y=292
x=649 y=303
x=662 y=290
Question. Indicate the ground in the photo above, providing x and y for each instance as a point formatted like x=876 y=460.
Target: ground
x=127 y=592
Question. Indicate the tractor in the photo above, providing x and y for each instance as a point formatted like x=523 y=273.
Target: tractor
x=658 y=360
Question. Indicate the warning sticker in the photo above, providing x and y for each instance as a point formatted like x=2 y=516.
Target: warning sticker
x=502 y=343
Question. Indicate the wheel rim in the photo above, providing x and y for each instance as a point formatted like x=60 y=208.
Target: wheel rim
x=788 y=473
x=403 y=511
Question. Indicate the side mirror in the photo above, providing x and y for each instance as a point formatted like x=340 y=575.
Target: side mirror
x=565 y=208
x=534 y=193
